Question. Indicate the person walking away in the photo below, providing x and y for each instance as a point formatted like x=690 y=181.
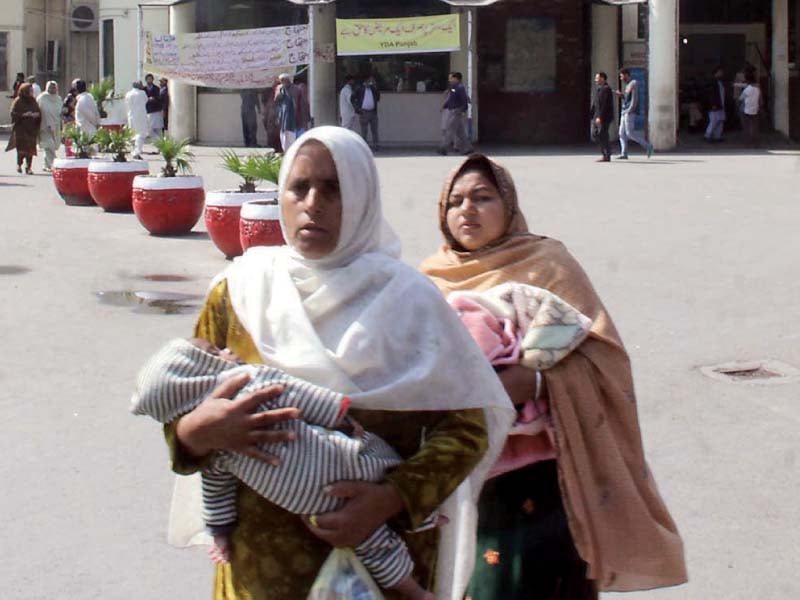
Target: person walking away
x=163 y=95
x=50 y=129
x=751 y=103
x=25 y=117
x=269 y=115
x=136 y=103
x=455 y=127
x=37 y=89
x=17 y=83
x=87 y=117
x=627 y=118
x=154 y=116
x=602 y=114
x=249 y=114
x=365 y=100
x=716 y=103
x=286 y=103
x=347 y=111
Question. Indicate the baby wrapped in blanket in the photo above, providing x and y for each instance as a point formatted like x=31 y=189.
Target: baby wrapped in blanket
x=514 y=323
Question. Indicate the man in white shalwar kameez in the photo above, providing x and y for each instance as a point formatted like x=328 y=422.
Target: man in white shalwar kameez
x=136 y=101
x=87 y=117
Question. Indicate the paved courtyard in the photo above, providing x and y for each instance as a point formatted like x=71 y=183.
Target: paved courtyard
x=696 y=255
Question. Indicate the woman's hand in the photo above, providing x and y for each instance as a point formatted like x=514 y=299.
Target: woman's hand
x=520 y=383
x=369 y=505
x=219 y=423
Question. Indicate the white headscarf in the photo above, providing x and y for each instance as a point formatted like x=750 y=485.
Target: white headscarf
x=361 y=322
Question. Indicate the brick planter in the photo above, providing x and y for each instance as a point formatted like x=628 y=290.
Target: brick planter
x=223 y=208
x=259 y=224
x=168 y=205
x=70 y=176
x=111 y=183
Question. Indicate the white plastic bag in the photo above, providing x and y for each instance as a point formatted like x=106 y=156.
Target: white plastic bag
x=343 y=577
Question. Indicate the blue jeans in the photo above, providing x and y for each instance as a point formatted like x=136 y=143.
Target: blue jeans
x=627 y=132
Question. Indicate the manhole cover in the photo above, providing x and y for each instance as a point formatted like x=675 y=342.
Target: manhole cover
x=762 y=372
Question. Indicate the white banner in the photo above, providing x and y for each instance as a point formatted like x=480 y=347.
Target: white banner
x=240 y=58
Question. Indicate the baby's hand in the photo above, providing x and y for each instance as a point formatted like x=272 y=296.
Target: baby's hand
x=220 y=551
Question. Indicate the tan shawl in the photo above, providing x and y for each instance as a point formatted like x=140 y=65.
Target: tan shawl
x=617 y=518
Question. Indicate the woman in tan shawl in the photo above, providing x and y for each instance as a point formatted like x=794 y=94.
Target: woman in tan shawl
x=25 y=116
x=50 y=104
x=592 y=519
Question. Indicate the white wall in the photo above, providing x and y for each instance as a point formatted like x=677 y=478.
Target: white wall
x=12 y=21
x=605 y=49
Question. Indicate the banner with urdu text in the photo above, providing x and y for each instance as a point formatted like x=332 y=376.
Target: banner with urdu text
x=411 y=35
x=240 y=58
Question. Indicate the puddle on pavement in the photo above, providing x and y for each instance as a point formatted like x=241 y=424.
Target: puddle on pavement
x=151 y=302
x=158 y=277
x=13 y=270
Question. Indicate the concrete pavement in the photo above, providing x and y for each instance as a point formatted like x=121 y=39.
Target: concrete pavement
x=695 y=255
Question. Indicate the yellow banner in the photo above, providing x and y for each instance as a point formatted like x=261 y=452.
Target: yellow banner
x=411 y=35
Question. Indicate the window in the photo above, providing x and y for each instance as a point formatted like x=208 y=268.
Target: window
x=725 y=11
x=395 y=72
x=3 y=60
x=221 y=15
x=108 y=48
x=642 y=21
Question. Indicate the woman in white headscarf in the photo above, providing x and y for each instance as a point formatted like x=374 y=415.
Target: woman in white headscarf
x=336 y=307
x=50 y=104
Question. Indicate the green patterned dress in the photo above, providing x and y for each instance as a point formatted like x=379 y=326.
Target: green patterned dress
x=275 y=557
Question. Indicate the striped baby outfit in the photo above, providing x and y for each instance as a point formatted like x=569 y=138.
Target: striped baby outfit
x=180 y=376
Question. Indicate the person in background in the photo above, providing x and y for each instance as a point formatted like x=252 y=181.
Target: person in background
x=26 y=117
x=365 y=100
x=269 y=115
x=87 y=116
x=50 y=129
x=750 y=99
x=303 y=105
x=37 y=89
x=18 y=82
x=163 y=95
x=716 y=107
x=627 y=117
x=455 y=127
x=347 y=112
x=602 y=114
x=136 y=103
x=154 y=116
x=249 y=113
x=286 y=103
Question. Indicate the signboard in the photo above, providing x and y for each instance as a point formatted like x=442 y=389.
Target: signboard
x=411 y=35
x=241 y=58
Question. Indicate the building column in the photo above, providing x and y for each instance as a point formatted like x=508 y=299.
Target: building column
x=182 y=96
x=780 y=65
x=662 y=117
x=605 y=49
x=325 y=96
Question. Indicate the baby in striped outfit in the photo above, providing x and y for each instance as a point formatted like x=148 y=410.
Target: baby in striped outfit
x=184 y=372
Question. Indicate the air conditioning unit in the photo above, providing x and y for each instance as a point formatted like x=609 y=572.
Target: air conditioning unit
x=53 y=56
x=83 y=16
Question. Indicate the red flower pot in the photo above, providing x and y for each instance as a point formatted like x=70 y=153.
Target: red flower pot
x=168 y=205
x=259 y=224
x=110 y=125
x=70 y=178
x=222 y=217
x=111 y=183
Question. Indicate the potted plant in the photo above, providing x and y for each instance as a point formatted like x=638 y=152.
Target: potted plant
x=111 y=182
x=169 y=204
x=70 y=174
x=223 y=207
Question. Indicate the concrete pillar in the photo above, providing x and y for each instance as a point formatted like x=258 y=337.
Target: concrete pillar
x=182 y=97
x=663 y=74
x=780 y=65
x=605 y=49
x=326 y=95
x=465 y=61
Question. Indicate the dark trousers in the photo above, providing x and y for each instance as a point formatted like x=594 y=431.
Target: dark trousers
x=603 y=140
x=249 y=128
x=368 y=119
x=750 y=123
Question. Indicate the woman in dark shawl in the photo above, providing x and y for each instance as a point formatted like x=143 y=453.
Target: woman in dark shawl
x=26 y=118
